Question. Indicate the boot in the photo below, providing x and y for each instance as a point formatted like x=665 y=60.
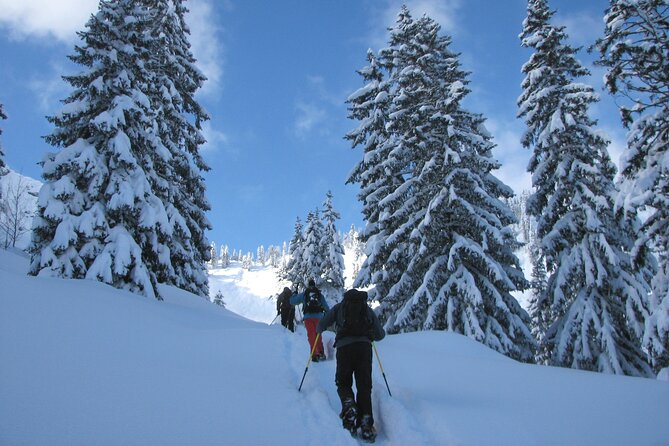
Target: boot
x=367 y=431
x=349 y=415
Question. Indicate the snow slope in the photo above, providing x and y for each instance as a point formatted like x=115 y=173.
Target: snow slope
x=10 y=184
x=82 y=363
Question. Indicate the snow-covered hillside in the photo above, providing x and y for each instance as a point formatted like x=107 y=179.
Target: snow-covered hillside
x=19 y=194
x=82 y=363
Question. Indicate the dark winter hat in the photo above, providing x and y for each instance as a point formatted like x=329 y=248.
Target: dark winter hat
x=286 y=290
x=311 y=282
x=355 y=294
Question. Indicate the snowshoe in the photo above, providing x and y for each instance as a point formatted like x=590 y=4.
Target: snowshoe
x=367 y=431
x=349 y=416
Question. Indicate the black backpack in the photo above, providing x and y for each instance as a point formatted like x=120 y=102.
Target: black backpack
x=355 y=315
x=283 y=302
x=312 y=301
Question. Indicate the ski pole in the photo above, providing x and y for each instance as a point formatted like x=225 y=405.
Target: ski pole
x=309 y=362
x=381 y=366
x=274 y=319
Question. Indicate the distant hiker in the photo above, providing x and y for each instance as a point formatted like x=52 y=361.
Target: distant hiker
x=356 y=326
x=313 y=306
x=285 y=309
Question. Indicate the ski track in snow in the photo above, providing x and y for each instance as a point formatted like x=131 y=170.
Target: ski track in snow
x=394 y=422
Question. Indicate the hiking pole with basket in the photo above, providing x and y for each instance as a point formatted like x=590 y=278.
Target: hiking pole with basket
x=381 y=367
x=309 y=362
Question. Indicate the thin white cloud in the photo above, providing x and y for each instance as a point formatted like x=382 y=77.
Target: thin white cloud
x=61 y=19
x=512 y=156
x=216 y=140
x=583 y=28
x=49 y=87
x=319 y=89
x=315 y=107
x=50 y=19
x=309 y=117
x=206 y=44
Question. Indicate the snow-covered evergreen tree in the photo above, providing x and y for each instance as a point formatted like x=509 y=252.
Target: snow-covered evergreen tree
x=635 y=48
x=448 y=246
x=224 y=257
x=247 y=261
x=214 y=261
x=274 y=257
x=284 y=257
x=174 y=81
x=332 y=268
x=294 y=272
x=123 y=201
x=260 y=255
x=99 y=216
x=355 y=247
x=218 y=299
x=3 y=165
x=595 y=301
x=526 y=226
x=314 y=253
x=369 y=105
x=540 y=319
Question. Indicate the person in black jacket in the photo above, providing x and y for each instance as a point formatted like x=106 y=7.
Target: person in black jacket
x=285 y=309
x=356 y=326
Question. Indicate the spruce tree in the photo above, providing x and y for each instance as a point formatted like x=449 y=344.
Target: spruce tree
x=449 y=262
x=214 y=259
x=314 y=253
x=247 y=261
x=174 y=81
x=120 y=202
x=635 y=50
x=595 y=300
x=98 y=216
x=224 y=256
x=539 y=317
x=294 y=272
x=355 y=248
x=274 y=256
x=369 y=105
x=332 y=268
x=219 y=299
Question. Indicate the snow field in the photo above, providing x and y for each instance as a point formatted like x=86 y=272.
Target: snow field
x=82 y=363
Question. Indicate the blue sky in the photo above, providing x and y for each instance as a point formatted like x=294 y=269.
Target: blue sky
x=279 y=73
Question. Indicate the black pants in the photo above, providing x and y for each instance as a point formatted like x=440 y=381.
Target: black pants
x=288 y=317
x=355 y=359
